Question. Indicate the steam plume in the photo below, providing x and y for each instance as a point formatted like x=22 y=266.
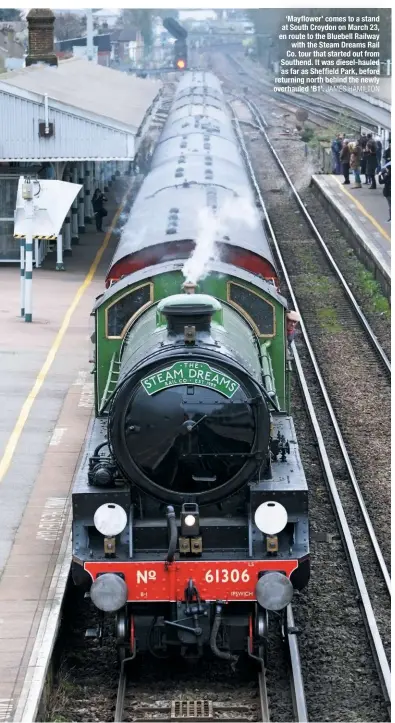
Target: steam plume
x=212 y=227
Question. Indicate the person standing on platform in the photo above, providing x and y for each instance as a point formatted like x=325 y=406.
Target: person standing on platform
x=362 y=142
x=355 y=163
x=336 y=150
x=385 y=180
x=345 y=161
x=379 y=153
x=371 y=162
x=46 y=170
x=100 y=212
x=387 y=153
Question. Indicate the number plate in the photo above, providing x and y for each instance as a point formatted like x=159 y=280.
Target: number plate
x=226 y=580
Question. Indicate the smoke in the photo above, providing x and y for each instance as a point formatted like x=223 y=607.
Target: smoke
x=212 y=227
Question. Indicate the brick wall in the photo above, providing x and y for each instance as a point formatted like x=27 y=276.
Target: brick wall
x=41 y=37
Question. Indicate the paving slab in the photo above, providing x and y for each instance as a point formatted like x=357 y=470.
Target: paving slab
x=40 y=449
x=362 y=215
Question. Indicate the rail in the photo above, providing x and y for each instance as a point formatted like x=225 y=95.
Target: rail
x=121 y=694
x=262 y=124
x=226 y=712
x=374 y=635
x=322 y=107
x=365 y=324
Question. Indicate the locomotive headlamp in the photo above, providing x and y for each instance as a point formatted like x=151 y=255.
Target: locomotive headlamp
x=190 y=522
x=274 y=591
x=110 y=519
x=271 y=518
x=109 y=592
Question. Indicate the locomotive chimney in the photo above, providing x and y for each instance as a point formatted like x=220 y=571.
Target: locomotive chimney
x=189 y=310
x=189 y=287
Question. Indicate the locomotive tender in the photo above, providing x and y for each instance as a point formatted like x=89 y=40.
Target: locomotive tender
x=190 y=510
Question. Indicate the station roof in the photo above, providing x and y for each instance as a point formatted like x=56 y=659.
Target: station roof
x=96 y=111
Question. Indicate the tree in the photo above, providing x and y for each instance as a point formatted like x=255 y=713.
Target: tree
x=100 y=29
x=140 y=19
x=385 y=33
x=9 y=15
x=69 y=25
x=167 y=14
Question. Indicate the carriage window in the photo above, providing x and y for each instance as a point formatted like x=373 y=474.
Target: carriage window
x=260 y=311
x=123 y=310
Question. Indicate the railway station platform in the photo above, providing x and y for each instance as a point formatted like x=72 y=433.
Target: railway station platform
x=46 y=396
x=362 y=216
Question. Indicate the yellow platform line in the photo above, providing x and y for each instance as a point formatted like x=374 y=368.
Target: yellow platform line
x=28 y=403
x=362 y=209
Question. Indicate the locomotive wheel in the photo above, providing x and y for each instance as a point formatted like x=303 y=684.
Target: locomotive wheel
x=122 y=635
x=283 y=625
x=262 y=632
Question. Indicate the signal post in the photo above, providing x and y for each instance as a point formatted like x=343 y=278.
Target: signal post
x=180 y=52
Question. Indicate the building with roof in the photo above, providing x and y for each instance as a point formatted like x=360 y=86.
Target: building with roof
x=101 y=43
x=106 y=17
x=12 y=47
x=127 y=45
x=109 y=16
x=91 y=112
x=83 y=120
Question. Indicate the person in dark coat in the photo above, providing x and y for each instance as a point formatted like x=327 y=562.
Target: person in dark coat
x=385 y=180
x=336 y=150
x=362 y=142
x=387 y=153
x=379 y=153
x=355 y=163
x=100 y=212
x=371 y=162
x=345 y=161
x=366 y=152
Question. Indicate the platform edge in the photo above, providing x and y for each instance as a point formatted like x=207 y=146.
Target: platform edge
x=358 y=239
x=34 y=681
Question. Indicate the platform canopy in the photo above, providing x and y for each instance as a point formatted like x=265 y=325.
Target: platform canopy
x=76 y=111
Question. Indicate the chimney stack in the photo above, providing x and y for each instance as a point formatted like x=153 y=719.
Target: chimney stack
x=41 y=37
x=189 y=287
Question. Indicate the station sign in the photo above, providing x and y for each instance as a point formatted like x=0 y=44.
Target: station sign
x=189 y=373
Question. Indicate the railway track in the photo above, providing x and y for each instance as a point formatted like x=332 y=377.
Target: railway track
x=300 y=166
x=175 y=700
x=319 y=119
x=364 y=551
x=262 y=125
x=323 y=108
x=200 y=709
x=132 y=707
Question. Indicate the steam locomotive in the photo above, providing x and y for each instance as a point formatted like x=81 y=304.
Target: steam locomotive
x=190 y=509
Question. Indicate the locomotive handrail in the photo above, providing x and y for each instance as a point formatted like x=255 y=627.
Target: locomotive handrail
x=172 y=525
x=107 y=387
